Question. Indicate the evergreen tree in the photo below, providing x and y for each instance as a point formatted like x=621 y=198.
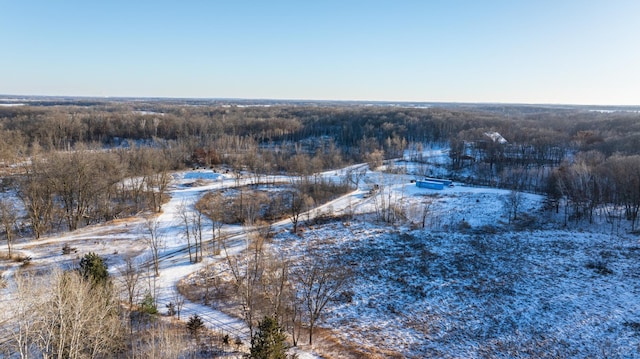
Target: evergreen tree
x=268 y=342
x=148 y=305
x=94 y=268
x=195 y=326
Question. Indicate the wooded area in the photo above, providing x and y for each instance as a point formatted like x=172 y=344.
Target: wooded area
x=88 y=162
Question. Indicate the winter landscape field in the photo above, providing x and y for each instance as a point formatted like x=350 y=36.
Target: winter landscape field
x=463 y=280
x=194 y=229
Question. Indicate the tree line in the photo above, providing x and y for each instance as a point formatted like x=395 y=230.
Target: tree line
x=351 y=129
x=593 y=183
x=66 y=190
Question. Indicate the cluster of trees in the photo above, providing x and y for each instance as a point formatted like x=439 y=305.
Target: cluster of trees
x=250 y=205
x=66 y=314
x=68 y=190
x=593 y=182
x=581 y=180
x=263 y=284
x=79 y=313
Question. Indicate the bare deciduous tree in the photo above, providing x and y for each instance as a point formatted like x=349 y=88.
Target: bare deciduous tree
x=276 y=287
x=213 y=207
x=318 y=281
x=197 y=227
x=178 y=301
x=155 y=241
x=8 y=221
x=426 y=208
x=247 y=270
x=512 y=203
x=375 y=159
x=24 y=313
x=183 y=213
x=193 y=228
x=130 y=278
x=37 y=197
x=355 y=175
x=157 y=182
x=298 y=203
x=65 y=316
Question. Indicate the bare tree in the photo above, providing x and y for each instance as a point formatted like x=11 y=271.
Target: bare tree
x=130 y=279
x=253 y=274
x=623 y=175
x=12 y=145
x=298 y=203
x=318 y=281
x=66 y=316
x=375 y=159
x=426 y=208
x=8 y=221
x=155 y=241
x=25 y=314
x=276 y=288
x=162 y=340
x=213 y=207
x=183 y=209
x=178 y=301
x=355 y=175
x=196 y=231
x=247 y=271
x=512 y=204
x=252 y=207
x=294 y=315
x=157 y=182
x=37 y=197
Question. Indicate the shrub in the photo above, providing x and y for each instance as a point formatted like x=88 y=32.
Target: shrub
x=67 y=249
x=26 y=261
x=464 y=226
x=171 y=309
x=599 y=267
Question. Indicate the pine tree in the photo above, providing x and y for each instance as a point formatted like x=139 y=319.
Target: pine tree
x=269 y=341
x=195 y=326
x=93 y=268
x=148 y=305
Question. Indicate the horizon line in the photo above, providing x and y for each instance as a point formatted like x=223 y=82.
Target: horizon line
x=245 y=99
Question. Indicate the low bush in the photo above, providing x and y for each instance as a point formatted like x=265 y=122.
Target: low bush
x=600 y=267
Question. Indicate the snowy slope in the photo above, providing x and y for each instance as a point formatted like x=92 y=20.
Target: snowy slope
x=467 y=285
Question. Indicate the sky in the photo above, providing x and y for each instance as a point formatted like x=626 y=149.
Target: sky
x=524 y=51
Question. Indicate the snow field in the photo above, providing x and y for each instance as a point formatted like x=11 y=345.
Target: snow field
x=445 y=294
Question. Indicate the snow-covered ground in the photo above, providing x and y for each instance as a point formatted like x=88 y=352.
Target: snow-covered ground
x=469 y=284
x=448 y=294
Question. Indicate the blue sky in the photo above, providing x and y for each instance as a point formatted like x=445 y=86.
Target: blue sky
x=538 y=51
